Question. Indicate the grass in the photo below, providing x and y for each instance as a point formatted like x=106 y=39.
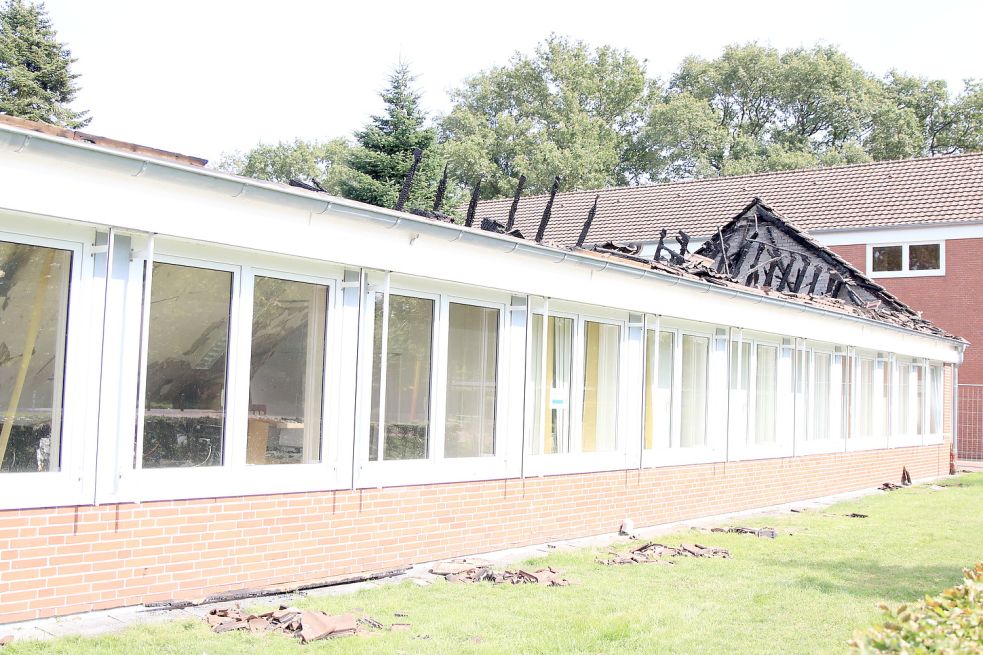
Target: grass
x=804 y=592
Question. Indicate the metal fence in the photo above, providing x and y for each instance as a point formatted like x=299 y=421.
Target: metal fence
x=970 y=422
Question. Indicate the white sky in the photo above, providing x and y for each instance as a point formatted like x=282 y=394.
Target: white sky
x=205 y=77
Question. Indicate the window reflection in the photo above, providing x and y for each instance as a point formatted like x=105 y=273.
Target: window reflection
x=658 y=388
x=765 y=394
x=34 y=286
x=693 y=391
x=286 y=372
x=472 y=381
x=600 y=416
x=551 y=392
x=186 y=366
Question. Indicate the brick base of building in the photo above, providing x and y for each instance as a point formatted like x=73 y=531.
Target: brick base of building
x=63 y=560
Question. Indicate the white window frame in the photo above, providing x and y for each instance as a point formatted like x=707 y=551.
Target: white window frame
x=74 y=481
x=234 y=477
x=784 y=398
x=905 y=272
x=873 y=440
x=576 y=461
x=932 y=437
x=715 y=448
x=912 y=437
x=835 y=441
x=435 y=468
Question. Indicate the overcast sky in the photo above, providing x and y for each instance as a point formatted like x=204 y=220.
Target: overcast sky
x=205 y=77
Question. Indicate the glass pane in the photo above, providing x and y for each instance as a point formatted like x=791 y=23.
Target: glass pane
x=740 y=381
x=693 y=391
x=936 y=400
x=919 y=422
x=765 y=394
x=846 y=395
x=186 y=366
x=925 y=257
x=884 y=425
x=551 y=401
x=886 y=258
x=286 y=372
x=865 y=411
x=904 y=399
x=820 y=396
x=34 y=285
x=407 y=387
x=800 y=386
x=601 y=347
x=658 y=388
x=472 y=381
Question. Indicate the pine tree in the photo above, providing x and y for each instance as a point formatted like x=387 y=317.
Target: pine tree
x=36 y=81
x=385 y=149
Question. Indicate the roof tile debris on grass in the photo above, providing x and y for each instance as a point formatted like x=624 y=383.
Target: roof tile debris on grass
x=466 y=570
x=653 y=553
x=307 y=625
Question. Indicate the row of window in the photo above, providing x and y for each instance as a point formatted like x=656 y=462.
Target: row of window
x=226 y=345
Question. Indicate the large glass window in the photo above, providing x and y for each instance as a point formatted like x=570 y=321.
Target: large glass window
x=406 y=397
x=658 y=387
x=886 y=259
x=801 y=386
x=846 y=395
x=904 y=399
x=551 y=371
x=765 y=394
x=920 y=422
x=865 y=410
x=472 y=381
x=187 y=352
x=884 y=425
x=34 y=285
x=740 y=389
x=286 y=375
x=602 y=344
x=693 y=391
x=935 y=400
x=821 y=390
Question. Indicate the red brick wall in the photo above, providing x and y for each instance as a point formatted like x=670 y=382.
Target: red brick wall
x=949 y=301
x=72 y=559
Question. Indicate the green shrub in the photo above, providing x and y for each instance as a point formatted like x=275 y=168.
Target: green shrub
x=948 y=624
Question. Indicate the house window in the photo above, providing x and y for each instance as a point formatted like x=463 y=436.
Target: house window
x=287 y=372
x=906 y=259
x=884 y=425
x=846 y=395
x=765 y=394
x=602 y=343
x=552 y=368
x=34 y=287
x=187 y=356
x=472 y=381
x=865 y=409
x=919 y=422
x=401 y=392
x=693 y=391
x=935 y=399
x=659 y=365
x=821 y=390
x=740 y=389
x=905 y=423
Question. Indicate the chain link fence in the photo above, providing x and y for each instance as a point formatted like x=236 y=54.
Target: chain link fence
x=970 y=425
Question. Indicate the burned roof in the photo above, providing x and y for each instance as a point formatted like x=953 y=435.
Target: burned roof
x=928 y=190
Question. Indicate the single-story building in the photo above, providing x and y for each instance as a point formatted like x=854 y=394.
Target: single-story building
x=211 y=383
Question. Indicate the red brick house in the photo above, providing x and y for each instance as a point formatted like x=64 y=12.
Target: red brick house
x=914 y=226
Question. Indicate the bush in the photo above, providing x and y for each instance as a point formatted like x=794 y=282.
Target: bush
x=948 y=624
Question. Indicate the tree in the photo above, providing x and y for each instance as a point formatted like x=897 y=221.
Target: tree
x=567 y=110
x=326 y=162
x=385 y=148
x=36 y=81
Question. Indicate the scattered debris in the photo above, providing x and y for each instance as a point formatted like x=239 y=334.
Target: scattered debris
x=855 y=515
x=770 y=533
x=308 y=625
x=905 y=476
x=890 y=486
x=467 y=570
x=653 y=553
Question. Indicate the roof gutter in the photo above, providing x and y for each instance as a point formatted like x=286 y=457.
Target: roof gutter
x=393 y=218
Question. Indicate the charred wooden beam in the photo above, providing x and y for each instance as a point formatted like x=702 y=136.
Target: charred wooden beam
x=800 y=278
x=404 y=192
x=541 y=232
x=724 y=264
x=304 y=185
x=786 y=271
x=683 y=240
x=441 y=190
x=662 y=245
x=815 y=281
x=510 y=223
x=473 y=205
x=590 y=219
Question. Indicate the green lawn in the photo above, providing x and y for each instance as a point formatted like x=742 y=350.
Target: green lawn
x=805 y=592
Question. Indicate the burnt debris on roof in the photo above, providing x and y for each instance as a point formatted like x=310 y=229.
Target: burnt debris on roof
x=757 y=250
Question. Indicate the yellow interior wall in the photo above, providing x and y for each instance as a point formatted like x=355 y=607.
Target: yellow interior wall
x=589 y=439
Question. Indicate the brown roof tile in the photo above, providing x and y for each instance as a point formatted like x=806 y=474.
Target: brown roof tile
x=928 y=190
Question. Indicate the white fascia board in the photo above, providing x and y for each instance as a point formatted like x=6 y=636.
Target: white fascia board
x=76 y=182
x=901 y=233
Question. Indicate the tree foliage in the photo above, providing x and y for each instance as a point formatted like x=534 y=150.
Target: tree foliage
x=567 y=109
x=384 y=151
x=36 y=80
x=326 y=162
